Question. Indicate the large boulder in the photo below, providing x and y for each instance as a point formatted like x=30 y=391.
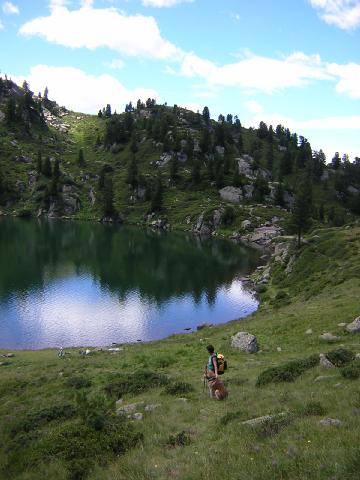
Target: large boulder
x=244 y=164
x=245 y=341
x=231 y=194
x=354 y=327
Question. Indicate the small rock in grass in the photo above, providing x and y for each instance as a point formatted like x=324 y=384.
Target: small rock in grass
x=342 y=324
x=3 y=364
x=131 y=407
x=184 y=400
x=152 y=407
x=357 y=356
x=324 y=377
x=324 y=362
x=137 y=416
x=328 y=337
x=253 y=422
x=354 y=327
x=278 y=349
x=8 y=355
x=330 y=422
x=338 y=385
x=309 y=331
x=355 y=411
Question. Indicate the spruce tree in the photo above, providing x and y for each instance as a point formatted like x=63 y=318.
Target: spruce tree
x=174 y=168
x=46 y=167
x=300 y=219
x=157 y=195
x=81 y=158
x=196 y=172
x=132 y=173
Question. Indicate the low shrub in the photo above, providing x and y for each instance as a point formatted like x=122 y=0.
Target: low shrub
x=178 y=388
x=33 y=419
x=272 y=426
x=179 y=440
x=340 y=356
x=312 y=409
x=134 y=383
x=78 y=382
x=231 y=416
x=287 y=372
x=352 y=371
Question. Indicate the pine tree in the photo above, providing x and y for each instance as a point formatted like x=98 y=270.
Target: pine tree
x=157 y=195
x=10 y=111
x=174 y=168
x=279 y=195
x=56 y=171
x=81 y=158
x=196 y=172
x=206 y=115
x=132 y=173
x=46 y=167
x=300 y=219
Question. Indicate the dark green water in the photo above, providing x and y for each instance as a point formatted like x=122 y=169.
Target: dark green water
x=71 y=283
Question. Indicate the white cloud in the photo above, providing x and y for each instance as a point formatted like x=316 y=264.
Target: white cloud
x=337 y=133
x=344 y=14
x=163 y=3
x=91 y=28
x=10 y=9
x=116 y=64
x=82 y=92
x=253 y=106
x=1 y=25
x=256 y=73
x=349 y=78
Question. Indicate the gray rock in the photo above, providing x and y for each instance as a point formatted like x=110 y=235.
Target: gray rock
x=231 y=194
x=342 y=324
x=246 y=224
x=329 y=337
x=248 y=191
x=244 y=164
x=152 y=407
x=245 y=342
x=137 y=416
x=352 y=190
x=130 y=407
x=181 y=399
x=354 y=327
x=330 y=422
x=254 y=422
x=324 y=362
x=309 y=331
x=357 y=356
x=92 y=196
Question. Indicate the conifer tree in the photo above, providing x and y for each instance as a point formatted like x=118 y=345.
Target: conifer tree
x=196 y=172
x=157 y=195
x=81 y=158
x=46 y=167
x=132 y=173
x=174 y=168
x=300 y=219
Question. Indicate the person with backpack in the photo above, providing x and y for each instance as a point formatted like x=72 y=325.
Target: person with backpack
x=216 y=366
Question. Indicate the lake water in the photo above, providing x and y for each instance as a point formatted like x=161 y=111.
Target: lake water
x=85 y=284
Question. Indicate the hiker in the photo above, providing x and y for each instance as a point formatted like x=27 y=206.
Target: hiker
x=212 y=371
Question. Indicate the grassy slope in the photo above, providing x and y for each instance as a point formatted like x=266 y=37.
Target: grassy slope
x=302 y=450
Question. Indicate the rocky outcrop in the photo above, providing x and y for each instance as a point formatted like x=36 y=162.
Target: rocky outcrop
x=244 y=341
x=231 y=194
x=207 y=223
x=354 y=327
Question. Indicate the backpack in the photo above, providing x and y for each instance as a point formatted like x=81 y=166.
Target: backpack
x=221 y=363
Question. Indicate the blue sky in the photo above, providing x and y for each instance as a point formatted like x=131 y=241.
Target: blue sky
x=294 y=62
